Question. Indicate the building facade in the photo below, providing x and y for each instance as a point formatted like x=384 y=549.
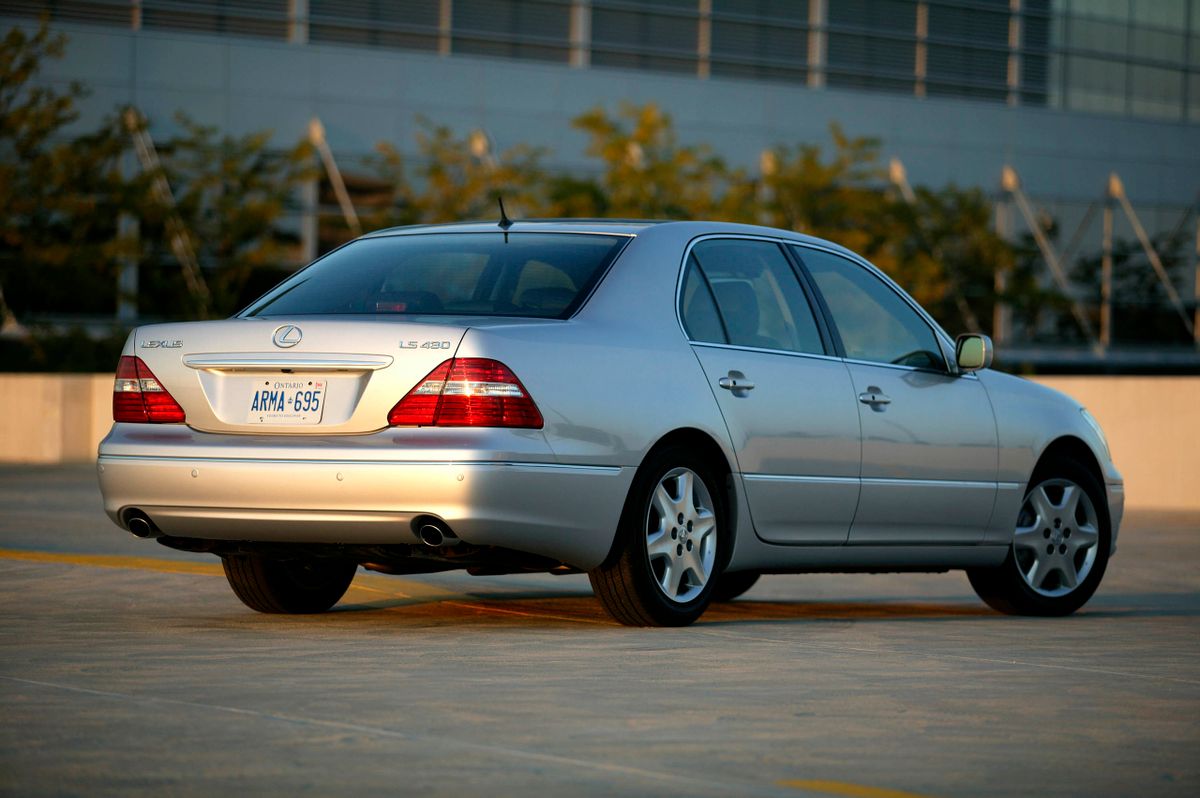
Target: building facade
x=1065 y=92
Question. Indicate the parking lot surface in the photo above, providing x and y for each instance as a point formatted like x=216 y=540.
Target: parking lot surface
x=126 y=668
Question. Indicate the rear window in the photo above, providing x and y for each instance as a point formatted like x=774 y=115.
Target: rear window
x=542 y=275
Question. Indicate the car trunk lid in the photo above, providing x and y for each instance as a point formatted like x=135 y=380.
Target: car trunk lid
x=293 y=376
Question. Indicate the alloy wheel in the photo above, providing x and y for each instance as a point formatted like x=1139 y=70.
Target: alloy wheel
x=681 y=535
x=1057 y=537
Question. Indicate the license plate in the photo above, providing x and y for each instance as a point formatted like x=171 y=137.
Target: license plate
x=286 y=402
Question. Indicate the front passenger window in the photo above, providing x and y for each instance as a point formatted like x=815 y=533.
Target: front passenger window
x=875 y=324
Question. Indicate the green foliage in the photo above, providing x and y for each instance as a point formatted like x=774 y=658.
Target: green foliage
x=230 y=193
x=57 y=197
x=647 y=173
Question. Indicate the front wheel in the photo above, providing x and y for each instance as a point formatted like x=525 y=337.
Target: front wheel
x=292 y=586
x=1059 y=549
x=670 y=544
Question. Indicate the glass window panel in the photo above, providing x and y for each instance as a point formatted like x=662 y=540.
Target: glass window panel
x=1156 y=92
x=884 y=15
x=544 y=275
x=759 y=298
x=874 y=323
x=1098 y=36
x=743 y=47
x=1117 y=10
x=976 y=25
x=512 y=29
x=242 y=17
x=698 y=309
x=1153 y=44
x=1161 y=13
x=409 y=24
x=1094 y=84
x=644 y=39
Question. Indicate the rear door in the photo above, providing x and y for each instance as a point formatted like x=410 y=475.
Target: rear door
x=929 y=456
x=788 y=405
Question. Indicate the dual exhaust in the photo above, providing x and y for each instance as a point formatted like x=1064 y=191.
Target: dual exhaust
x=432 y=531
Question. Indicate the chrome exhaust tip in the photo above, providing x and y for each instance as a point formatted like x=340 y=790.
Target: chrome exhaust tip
x=141 y=526
x=435 y=535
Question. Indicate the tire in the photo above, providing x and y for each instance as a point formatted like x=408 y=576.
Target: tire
x=662 y=572
x=294 y=586
x=730 y=586
x=1060 y=546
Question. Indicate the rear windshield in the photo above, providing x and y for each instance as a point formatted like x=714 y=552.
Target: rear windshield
x=543 y=275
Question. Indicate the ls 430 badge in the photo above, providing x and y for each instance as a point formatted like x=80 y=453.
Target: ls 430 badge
x=424 y=344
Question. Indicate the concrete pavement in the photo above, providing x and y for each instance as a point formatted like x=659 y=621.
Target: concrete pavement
x=129 y=668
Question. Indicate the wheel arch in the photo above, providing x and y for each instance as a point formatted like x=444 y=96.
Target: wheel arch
x=710 y=450
x=1069 y=447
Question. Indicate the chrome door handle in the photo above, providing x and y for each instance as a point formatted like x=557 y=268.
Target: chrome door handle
x=738 y=383
x=874 y=396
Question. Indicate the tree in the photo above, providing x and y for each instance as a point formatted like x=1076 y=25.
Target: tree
x=646 y=172
x=59 y=196
x=230 y=194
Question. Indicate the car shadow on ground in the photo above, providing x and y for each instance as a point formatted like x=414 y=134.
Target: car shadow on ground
x=532 y=608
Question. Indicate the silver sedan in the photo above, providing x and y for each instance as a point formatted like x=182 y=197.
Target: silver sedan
x=673 y=408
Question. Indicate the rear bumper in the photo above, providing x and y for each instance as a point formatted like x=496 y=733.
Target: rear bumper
x=565 y=512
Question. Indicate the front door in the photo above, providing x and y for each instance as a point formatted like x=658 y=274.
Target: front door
x=929 y=447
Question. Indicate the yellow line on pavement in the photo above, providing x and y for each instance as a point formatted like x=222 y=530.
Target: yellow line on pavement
x=114 y=561
x=848 y=789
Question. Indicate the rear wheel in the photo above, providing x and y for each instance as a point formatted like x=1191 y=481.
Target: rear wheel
x=295 y=586
x=730 y=586
x=1060 y=547
x=670 y=544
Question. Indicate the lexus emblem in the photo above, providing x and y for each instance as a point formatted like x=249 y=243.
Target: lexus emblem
x=287 y=336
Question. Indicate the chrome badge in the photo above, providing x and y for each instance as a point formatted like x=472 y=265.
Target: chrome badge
x=287 y=336
x=171 y=344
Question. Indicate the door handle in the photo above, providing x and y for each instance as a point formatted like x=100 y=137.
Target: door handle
x=874 y=396
x=736 y=381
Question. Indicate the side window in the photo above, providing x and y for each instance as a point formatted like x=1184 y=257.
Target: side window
x=759 y=301
x=698 y=310
x=875 y=324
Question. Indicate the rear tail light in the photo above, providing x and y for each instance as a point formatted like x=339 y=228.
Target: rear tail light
x=467 y=392
x=138 y=396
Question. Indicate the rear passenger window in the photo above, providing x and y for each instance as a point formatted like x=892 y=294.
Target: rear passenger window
x=745 y=293
x=874 y=322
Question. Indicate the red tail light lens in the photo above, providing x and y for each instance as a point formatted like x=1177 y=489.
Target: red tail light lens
x=139 y=397
x=468 y=392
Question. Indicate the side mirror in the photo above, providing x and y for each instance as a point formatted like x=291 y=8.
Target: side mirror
x=972 y=352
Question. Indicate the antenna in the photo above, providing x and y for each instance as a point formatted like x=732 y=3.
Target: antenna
x=505 y=222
